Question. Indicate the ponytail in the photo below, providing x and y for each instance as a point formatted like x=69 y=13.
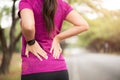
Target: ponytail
x=49 y=9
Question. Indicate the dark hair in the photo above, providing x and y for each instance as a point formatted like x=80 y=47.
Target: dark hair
x=49 y=9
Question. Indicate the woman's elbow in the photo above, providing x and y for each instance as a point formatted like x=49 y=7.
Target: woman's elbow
x=83 y=26
x=86 y=27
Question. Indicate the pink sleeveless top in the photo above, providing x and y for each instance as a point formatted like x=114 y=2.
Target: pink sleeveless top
x=32 y=64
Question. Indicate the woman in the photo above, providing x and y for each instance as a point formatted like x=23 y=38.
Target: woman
x=41 y=23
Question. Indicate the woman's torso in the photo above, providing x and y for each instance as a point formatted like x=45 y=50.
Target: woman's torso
x=32 y=64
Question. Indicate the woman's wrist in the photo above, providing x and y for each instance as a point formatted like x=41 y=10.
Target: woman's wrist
x=57 y=39
x=31 y=42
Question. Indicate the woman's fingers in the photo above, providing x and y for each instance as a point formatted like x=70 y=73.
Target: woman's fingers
x=27 y=52
x=38 y=56
x=57 y=53
x=60 y=50
x=51 y=49
x=36 y=51
x=43 y=54
x=56 y=49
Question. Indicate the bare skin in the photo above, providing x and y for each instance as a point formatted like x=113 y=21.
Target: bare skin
x=28 y=30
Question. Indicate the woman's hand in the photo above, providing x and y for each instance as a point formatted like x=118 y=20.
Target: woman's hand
x=56 y=49
x=36 y=50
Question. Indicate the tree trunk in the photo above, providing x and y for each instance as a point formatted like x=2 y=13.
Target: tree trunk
x=8 y=49
x=4 y=69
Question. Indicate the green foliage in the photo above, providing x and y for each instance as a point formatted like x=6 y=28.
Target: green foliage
x=102 y=29
x=18 y=47
x=4 y=11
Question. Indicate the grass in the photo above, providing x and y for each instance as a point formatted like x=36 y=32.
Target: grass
x=15 y=69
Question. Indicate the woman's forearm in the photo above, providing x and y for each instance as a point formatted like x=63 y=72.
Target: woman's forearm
x=28 y=32
x=80 y=25
x=71 y=32
x=28 y=24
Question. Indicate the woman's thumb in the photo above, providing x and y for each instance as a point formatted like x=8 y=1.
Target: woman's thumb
x=26 y=53
x=51 y=50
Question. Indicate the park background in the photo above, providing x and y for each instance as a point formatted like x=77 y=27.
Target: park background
x=102 y=37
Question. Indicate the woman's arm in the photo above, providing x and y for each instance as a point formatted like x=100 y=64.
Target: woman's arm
x=80 y=25
x=28 y=30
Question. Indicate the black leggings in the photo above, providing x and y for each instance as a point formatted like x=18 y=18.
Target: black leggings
x=57 y=75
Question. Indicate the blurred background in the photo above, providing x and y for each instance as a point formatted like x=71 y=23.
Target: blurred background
x=91 y=55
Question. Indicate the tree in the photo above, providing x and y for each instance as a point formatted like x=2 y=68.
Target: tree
x=104 y=30
x=8 y=47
